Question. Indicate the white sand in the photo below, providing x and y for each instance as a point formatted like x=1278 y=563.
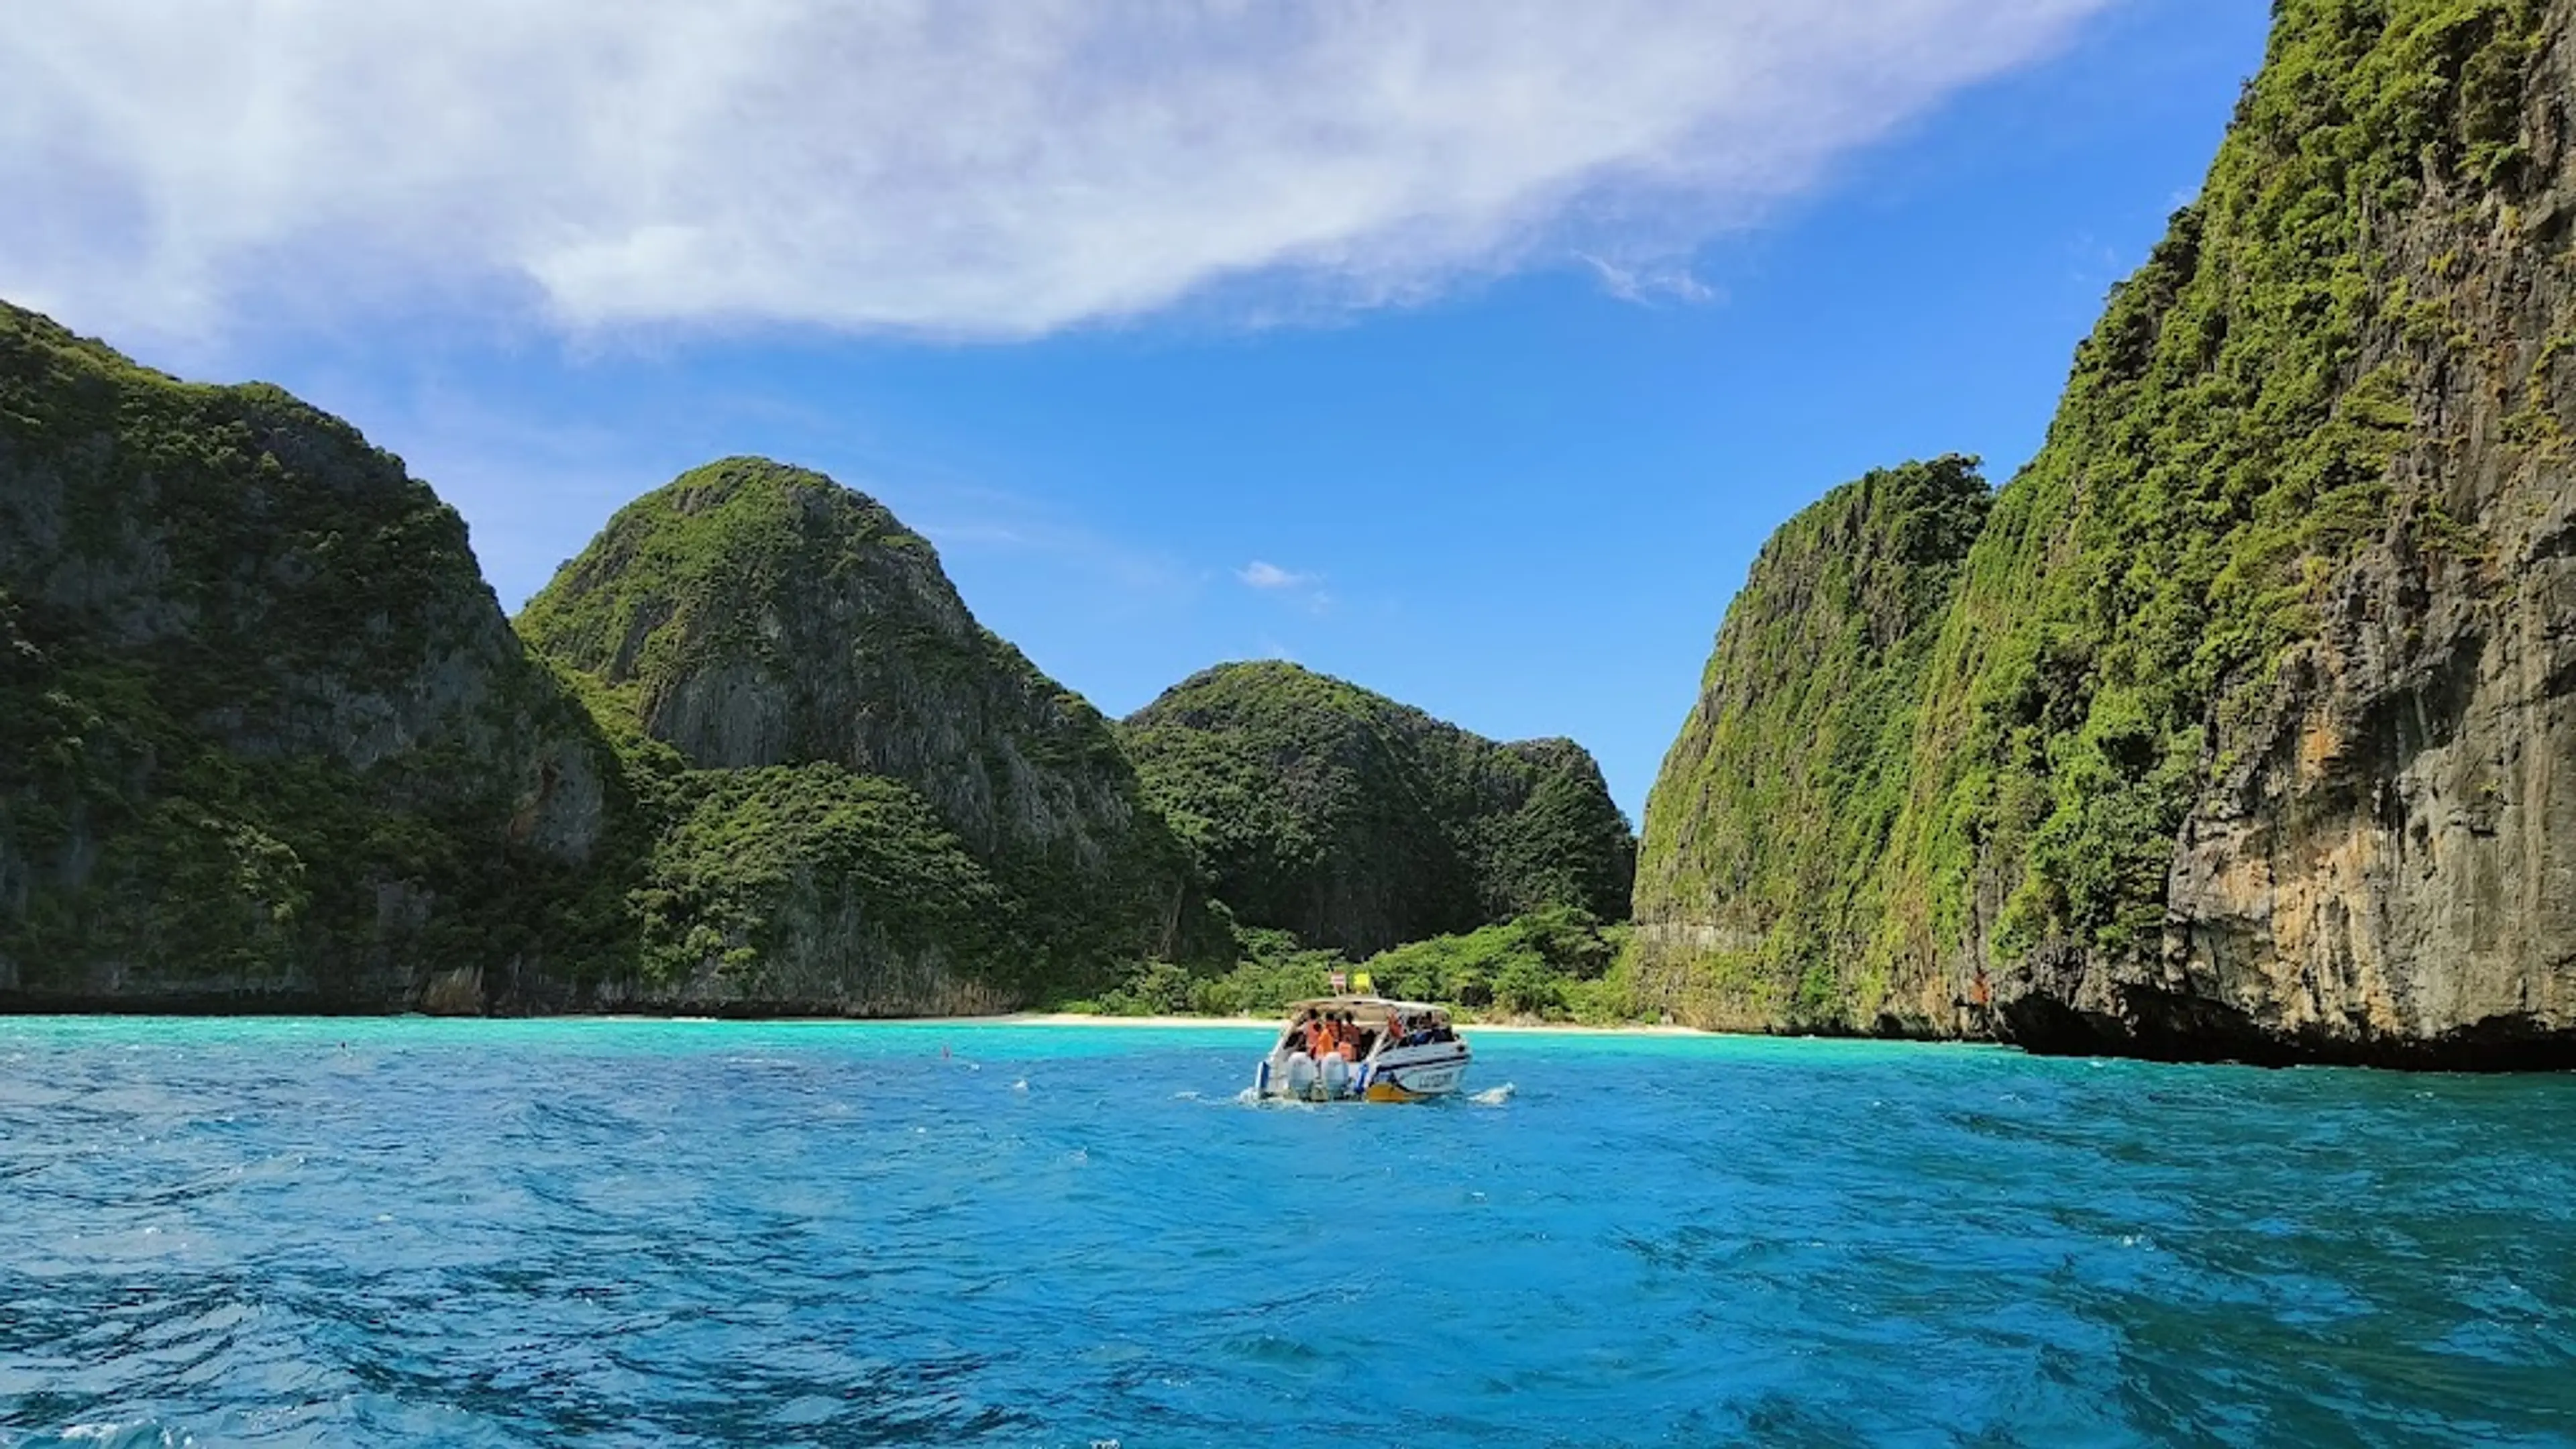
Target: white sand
x=1272 y=1023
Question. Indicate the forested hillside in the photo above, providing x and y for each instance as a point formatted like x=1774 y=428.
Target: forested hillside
x=1320 y=808
x=874 y=800
x=266 y=740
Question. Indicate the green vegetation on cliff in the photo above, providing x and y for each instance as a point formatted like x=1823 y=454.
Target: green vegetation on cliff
x=2013 y=768
x=751 y=616
x=1774 y=808
x=2223 y=448
x=263 y=730
x=266 y=738
x=1357 y=823
x=808 y=883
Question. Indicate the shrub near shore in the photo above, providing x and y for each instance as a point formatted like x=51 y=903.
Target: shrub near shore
x=1557 y=965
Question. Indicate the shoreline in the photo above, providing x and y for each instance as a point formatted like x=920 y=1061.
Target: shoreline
x=166 y=1011
x=1465 y=1028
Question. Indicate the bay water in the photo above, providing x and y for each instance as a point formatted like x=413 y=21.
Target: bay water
x=223 y=1231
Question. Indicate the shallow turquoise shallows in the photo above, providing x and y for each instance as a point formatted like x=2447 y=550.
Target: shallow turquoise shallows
x=632 y=1233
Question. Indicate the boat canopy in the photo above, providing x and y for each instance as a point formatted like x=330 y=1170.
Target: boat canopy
x=1371 y=1009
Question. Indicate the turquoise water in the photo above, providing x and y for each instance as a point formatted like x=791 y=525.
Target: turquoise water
x=629 y=1233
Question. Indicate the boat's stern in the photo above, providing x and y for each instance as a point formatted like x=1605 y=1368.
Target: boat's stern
x=1415 y=1074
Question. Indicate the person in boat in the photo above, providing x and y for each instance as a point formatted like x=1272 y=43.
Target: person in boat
x=1319 y=1040
x=1301 y=1033
x=1347 y=1040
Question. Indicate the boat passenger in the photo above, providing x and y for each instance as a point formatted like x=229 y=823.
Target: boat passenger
x=1319 y=1041
x=1347 y=1040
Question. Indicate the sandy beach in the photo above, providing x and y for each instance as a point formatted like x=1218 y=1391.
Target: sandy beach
x=1270 y=1023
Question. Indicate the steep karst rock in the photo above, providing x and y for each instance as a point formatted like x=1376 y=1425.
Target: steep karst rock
x=2249 y=728
x=807 y=889
x=266 y=740
x=756 y=617
x=1358 y=823
x=1763 y=834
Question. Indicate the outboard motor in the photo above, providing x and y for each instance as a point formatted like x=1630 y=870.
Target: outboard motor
x=1300 y=1074
x=1337 y=1077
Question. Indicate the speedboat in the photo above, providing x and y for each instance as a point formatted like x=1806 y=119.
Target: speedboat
x=1402 y=1051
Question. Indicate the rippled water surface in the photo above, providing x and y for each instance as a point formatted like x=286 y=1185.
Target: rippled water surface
x=361 y=1232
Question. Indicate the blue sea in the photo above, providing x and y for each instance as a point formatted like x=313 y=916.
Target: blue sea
x=646 y=1233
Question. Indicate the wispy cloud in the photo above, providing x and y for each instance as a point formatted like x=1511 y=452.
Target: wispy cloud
x=1261 y=575
x=1305 y=589
x=1650 y=282
x=981 y=168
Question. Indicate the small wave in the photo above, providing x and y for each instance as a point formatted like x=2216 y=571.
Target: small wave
x=140 y=1434
x=1494 y=1096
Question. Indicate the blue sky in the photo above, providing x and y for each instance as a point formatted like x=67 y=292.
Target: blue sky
x=1442 y=403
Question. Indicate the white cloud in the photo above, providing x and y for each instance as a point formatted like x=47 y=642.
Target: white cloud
x=1262 y=575
x=1303 y=589
x=1649 y=282
x=974 y=168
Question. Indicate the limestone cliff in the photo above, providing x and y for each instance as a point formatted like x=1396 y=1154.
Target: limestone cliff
x=809 y=890
x=2247 y=729
x=266 y=739
x=753 y=616
x=1358 y=823
x=267 y=742
x=1765 y=828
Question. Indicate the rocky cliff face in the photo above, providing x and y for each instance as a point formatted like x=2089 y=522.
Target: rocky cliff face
x=1359 y=823
x=265 y=737
x=754 y=616
x=1765 y=827
x=2247 y=728
x=809 y=890
x=267 y=742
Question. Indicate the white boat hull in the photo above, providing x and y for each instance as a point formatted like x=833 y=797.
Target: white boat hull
x=1405 y=1074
